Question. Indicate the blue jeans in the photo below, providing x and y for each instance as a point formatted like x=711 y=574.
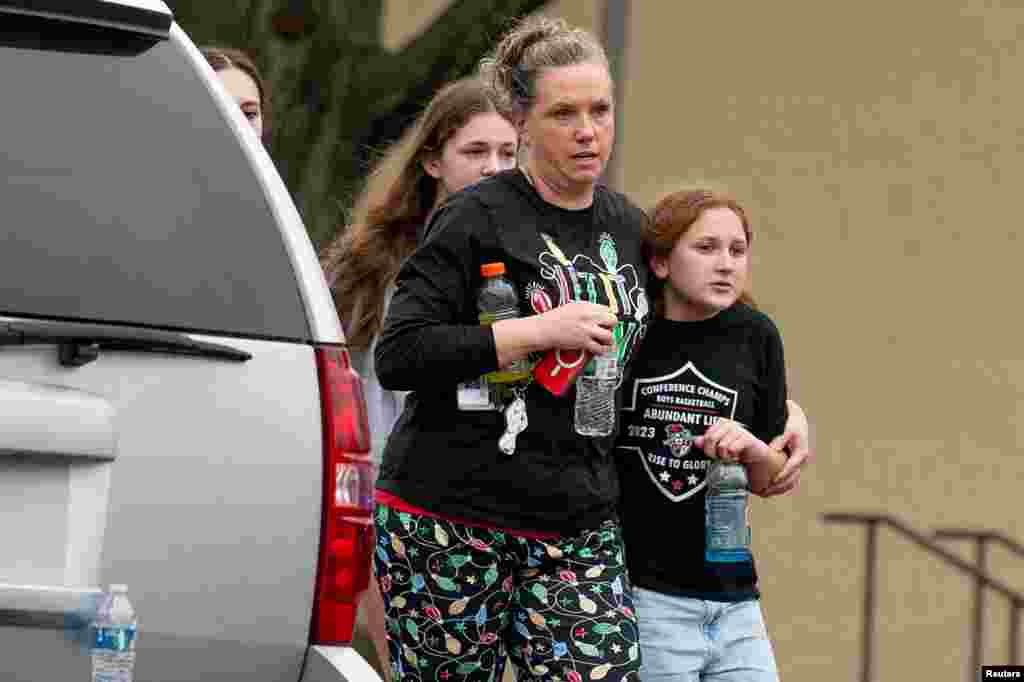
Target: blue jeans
x=689 y=640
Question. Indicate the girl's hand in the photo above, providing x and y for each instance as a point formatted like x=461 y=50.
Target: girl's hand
x=730 y=441
x=727 y=440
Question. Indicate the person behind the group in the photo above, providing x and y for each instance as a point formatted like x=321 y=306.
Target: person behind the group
x=709 y=381
x=240 y=77
x=481 y=552
x=462 y=136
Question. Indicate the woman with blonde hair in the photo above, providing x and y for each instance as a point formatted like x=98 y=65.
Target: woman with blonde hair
x=485 y=549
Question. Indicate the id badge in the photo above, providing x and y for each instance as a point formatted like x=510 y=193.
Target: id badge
x=475 y=395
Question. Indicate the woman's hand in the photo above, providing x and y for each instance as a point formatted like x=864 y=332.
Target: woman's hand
x=795 y=440
x=579 y=324
x=571 y=326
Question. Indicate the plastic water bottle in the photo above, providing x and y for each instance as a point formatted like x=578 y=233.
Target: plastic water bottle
x=113 y=637
x=727 y=535
x=496 y=300
x=595 y=395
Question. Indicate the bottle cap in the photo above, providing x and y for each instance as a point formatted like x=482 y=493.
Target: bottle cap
x=118 y=588
x=492 y=269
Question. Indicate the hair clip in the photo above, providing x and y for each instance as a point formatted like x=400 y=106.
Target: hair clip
x=520 y=82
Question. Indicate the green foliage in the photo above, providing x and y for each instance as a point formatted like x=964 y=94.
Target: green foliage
x=337 y=93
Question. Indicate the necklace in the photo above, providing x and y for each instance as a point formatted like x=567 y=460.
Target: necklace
x=529 y=178
x=558 y=253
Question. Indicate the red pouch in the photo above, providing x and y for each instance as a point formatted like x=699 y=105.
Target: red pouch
x=558 y=369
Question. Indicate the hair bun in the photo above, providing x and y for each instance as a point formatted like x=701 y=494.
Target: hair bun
x=532 y=44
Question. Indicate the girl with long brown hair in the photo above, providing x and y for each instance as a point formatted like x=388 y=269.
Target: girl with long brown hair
x=462 y=136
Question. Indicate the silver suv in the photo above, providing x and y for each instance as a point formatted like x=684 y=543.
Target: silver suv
x=177 y=410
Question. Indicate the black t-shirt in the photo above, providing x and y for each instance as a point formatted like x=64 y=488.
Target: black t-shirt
x=447 y=460
x=686 y=376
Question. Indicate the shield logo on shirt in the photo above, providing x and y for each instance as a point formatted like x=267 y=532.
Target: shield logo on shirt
x=662 y=416
x=679 y=440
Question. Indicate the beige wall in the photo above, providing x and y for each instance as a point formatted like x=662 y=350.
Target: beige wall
x=878 y=147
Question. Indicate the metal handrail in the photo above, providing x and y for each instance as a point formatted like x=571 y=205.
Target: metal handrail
x=871 y=521
x=984 y=535
x=981 y=539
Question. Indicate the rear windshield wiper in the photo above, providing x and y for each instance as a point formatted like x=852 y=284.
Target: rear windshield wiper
x=80 y=344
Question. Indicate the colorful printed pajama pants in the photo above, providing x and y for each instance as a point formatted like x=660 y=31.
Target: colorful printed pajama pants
x=458 y=598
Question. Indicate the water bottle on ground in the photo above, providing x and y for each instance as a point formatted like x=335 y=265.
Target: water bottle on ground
x=727 y=535
x=595 y=395
x=112 y=634
x=496 y=300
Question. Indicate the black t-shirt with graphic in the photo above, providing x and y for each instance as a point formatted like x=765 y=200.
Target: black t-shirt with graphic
x=687 y=375
x=447 y=460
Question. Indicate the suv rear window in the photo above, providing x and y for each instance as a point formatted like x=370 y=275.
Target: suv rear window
x=126 y=198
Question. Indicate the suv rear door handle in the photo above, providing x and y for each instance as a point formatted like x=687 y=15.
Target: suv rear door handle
x=39 y=419
x=56 y=608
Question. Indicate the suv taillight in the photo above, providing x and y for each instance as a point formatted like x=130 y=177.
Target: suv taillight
x=347 y=537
